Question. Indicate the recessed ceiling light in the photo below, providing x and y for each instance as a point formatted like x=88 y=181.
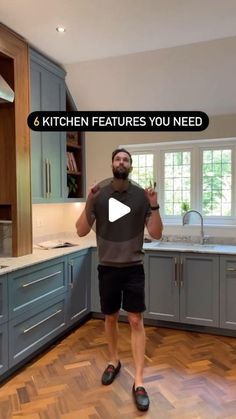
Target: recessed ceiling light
x=60 y=29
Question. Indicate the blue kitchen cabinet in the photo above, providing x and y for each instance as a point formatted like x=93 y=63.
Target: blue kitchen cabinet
x=183 y=287
x=3 y=325
x=48 y=149
x=30 y=287
x=79 y=275
x=199 y=289
x=31 y=330
x=3 y=299
x=228 y=292
x=163 y=287
x=37 y=307
x=3 y=348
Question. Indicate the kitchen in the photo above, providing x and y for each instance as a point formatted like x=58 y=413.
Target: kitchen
x=194 y=72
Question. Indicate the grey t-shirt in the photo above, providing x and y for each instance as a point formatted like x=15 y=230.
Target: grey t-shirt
x=120 y=243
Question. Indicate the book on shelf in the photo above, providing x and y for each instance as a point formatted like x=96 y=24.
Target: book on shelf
x=71 y=162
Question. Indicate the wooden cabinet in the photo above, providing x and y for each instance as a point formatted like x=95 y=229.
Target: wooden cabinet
x=183 y=288
x=228 y=292
x=47 y=93
x=15 y=197
x=79 y=274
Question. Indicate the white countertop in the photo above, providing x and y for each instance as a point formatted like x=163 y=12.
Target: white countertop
x=191 y=247
x=41 y=255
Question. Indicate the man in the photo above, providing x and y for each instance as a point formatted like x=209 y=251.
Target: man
x=121 y=273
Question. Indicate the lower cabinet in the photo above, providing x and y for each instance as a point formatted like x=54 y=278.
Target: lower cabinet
x=31 y=330
x=3 y=299
x=227 y=292
x=79 y=274
x=183 y=287
x=3 y=348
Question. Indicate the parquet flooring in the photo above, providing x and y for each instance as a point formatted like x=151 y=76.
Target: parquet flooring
x=188 y=376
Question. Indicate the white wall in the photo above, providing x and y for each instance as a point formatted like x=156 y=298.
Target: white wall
x=191 y=77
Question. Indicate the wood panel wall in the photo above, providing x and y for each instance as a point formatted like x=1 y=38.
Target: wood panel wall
x=15 y=181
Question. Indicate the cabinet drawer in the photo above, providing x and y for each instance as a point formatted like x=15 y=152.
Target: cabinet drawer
x=34 y=285
x=29 y=332
x=3 y=348
x=3 y=299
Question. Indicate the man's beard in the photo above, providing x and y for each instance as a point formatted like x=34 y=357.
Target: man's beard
x=120 y=173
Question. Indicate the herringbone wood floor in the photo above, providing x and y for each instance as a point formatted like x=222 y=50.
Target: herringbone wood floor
x=188 y=375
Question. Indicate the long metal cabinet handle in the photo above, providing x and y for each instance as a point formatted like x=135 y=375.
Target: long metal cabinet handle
x=42 y=321
x=46 y=178
x=231 y=269
x=71 y=274
x=181 y=272
x=49 y=178
x=176 y=273
x=40 y=279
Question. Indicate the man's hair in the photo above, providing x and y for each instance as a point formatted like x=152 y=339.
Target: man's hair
x=121 y=150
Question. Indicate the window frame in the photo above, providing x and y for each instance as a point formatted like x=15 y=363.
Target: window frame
x=196 y=147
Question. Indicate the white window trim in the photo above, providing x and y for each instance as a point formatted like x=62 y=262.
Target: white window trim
x=197 y=146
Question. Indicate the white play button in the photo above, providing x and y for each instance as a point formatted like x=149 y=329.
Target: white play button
x=116 y=210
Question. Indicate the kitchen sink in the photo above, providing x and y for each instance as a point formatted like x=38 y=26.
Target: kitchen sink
x=181 y=245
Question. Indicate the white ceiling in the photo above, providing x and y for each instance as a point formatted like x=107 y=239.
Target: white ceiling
x=105 y=28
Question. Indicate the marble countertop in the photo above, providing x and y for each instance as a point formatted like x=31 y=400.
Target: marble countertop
x=191 y=247
x=40 y=255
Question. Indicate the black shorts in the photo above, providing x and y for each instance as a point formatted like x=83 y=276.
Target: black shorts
x=122 y=287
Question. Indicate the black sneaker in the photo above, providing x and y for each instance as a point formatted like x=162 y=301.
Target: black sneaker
x=141 y=398
x=110 y=373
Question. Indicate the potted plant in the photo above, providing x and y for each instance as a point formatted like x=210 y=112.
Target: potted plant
x=72 y=185
x=185 y=207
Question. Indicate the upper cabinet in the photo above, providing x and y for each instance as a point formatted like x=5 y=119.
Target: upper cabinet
x=47 y=93
x=57 y=157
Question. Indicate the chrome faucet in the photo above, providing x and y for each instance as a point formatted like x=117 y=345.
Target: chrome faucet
x=186 y=219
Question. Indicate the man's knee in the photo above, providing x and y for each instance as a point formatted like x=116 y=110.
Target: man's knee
x=135 y=320
x=111 y=319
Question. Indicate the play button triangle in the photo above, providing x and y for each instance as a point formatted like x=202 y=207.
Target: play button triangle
x=116 y=209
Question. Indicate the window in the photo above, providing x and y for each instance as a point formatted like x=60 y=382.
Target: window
x=143 y=172
x=177 y=181
x=216 y=182
x=197 y=174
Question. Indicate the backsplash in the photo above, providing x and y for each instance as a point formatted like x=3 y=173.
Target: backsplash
x=5 y=238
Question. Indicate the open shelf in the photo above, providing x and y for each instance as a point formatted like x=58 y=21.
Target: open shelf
x=75 y=157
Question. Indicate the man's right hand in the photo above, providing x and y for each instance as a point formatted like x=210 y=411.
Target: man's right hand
x=94 y=191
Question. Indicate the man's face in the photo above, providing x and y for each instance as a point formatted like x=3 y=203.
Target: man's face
x=121 y=165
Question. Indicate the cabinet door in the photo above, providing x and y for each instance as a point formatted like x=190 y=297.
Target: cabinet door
x=79 y=285
x=228 y=292
x=162 y=283
x=53 y=143
x=48 y=148
x=199 y=289
x=3 y=348
x=3 y=299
